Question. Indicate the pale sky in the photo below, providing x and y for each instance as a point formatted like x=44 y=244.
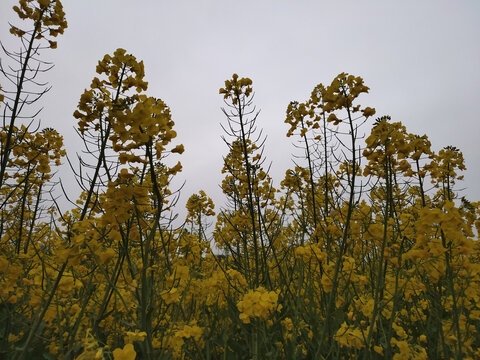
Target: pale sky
x=421 y=60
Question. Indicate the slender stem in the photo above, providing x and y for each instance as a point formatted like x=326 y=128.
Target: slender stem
x=7 y=149
x=250 y=190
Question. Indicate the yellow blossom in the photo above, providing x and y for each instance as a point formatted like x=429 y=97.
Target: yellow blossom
x=127 y=353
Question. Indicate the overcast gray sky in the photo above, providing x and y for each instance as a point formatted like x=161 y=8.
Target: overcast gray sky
x=420 y=59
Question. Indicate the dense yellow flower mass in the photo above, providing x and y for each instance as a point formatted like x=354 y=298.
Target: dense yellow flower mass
x=365 y=251
x=258 y=303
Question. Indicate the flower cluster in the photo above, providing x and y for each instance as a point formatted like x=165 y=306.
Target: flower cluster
x=236 y=88
x=48 y=17
x=258 y=304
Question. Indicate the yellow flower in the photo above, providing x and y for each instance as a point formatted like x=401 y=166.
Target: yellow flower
x=44 y=3
x=135 y=336
x=170 y=296
x=287 y=324
x=190 y=331
x=368 y=111
x=258 y=303
x=106 y=256
x=327 y=283
x=127 y=353
x=3 y=263
x=333 y=118
x=404 y=350
x=350 y=337
x=178 y=149
x=378 y=349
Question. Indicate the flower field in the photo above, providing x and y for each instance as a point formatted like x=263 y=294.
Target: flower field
x=365 y=250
